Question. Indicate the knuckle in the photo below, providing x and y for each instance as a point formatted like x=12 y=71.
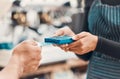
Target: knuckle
x=39 y=58
x=15 y=50
x=33 y=58
x=82 y=48
x=82 y=52
x=83 y=32
x=38 y=50
x=28 y=48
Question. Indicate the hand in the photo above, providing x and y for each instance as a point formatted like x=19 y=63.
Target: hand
x=25 y=58
x=64 y=31
x=85 y=42
x=29 y=55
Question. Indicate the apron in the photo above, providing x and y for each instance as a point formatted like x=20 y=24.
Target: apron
x=104 y=21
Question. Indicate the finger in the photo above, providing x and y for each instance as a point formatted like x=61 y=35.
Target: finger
x=76 y=51
x=59 y=33
x=63 y=46
x=31 y=42
x=85 y=49
x=32 y=63
x=79 y=36
x=82 y=34
x=56 y=45
x=30 y=68
x=80 y=51
x=75 y=44
x=38 y=47
x=67 y=49
x=76 y=37
x=36 y=50
x=35 y=43
x=34 y=68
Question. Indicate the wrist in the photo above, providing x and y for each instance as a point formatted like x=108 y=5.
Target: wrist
x=13 y=69
x=17 y=61
x=95 y=42
x=16 y=65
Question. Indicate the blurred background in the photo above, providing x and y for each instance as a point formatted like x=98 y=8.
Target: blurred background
x=37 y=19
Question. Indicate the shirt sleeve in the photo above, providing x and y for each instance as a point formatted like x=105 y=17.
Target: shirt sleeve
x=86 y=56
x=108 y=47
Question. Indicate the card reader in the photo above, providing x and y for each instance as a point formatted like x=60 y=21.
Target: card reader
x=59 y=39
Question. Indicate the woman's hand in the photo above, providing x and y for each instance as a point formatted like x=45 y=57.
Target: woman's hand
x=64 y=31
x=84 y=43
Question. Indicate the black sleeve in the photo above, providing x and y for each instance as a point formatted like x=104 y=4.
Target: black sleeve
x=111 y=2
x=85 y=57
x=108 y=47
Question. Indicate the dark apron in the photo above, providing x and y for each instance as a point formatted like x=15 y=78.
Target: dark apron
x=104 y=21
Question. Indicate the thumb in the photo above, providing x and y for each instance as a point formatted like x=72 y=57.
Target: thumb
x=76 y=37
x=79 y=36
x=59 y=33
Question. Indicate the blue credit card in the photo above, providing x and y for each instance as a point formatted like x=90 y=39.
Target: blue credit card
x=59 y=40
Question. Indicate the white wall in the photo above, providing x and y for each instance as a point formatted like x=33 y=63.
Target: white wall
x=4 y=6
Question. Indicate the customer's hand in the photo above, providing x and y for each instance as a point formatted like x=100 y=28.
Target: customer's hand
x=85 y=42
x=29 y=55
x=25 y=58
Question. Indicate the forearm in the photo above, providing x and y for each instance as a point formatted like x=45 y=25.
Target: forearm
x=13 y=70
x=108 y=47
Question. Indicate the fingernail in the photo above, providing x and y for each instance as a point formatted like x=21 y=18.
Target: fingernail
x=74 y=38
